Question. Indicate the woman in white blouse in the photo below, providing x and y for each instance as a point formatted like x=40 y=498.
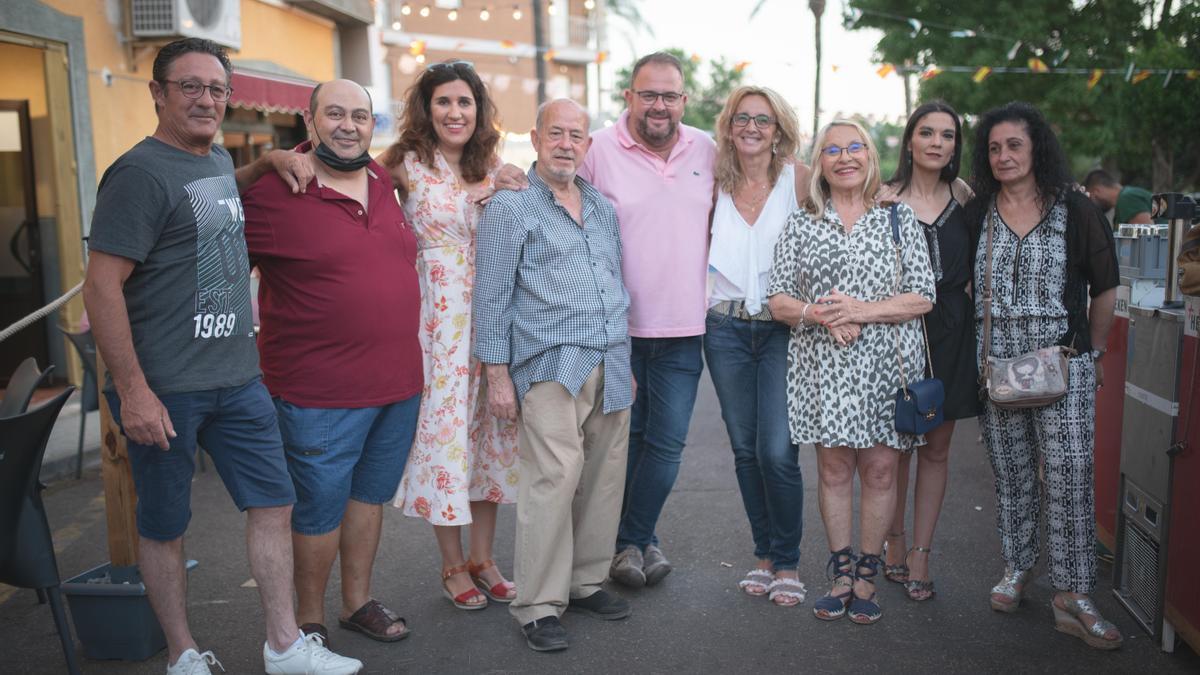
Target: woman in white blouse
x=758 y=186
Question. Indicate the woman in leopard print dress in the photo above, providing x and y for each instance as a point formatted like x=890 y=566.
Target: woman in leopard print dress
x=852 y=300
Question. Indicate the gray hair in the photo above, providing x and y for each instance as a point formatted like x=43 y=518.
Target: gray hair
x=541 y=113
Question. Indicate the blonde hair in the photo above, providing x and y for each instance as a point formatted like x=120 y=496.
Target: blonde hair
x=819 y=192
x=728 y=169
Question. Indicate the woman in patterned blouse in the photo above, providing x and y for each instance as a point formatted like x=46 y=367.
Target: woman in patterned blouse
x=852 y=296
x=1051 y=249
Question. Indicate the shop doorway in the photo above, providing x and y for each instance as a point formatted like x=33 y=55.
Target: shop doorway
x=21 y=282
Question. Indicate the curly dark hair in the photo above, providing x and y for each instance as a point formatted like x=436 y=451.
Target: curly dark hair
x=904 y=171
x=1051 y=173
x=416 y=128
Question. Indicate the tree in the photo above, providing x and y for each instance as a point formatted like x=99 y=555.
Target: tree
x=1145 y=131
x=817 y=7
x=705 y=97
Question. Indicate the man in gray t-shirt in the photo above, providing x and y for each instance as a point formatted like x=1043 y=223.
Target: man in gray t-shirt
x=178 y=216
x=168 y=295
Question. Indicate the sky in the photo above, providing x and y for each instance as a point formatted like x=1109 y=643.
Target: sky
x=778 y=43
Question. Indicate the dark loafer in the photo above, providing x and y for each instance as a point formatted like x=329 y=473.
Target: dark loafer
x=545 y=634
x=601 y=605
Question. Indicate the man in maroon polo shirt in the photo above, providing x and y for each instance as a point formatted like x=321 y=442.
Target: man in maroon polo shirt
x=339 y=306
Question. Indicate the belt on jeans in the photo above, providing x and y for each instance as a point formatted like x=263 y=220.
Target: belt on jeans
x=737 y=309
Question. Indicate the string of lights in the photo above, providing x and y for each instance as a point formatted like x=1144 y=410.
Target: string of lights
x=485 y=12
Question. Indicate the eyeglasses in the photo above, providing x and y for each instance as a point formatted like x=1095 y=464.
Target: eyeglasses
x=195 y=89
x=669 y=98
x=760 y=121
x=854 y=148
x=450 y=65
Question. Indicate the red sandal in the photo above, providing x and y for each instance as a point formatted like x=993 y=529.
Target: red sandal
x=466 y=599
x=504 y=591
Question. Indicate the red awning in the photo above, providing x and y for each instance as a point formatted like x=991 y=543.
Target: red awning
x=270 y=93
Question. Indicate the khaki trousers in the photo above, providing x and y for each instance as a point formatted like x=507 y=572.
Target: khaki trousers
x=572 y=468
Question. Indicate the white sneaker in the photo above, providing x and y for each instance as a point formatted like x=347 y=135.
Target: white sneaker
x=308 y=657
x=192 y=662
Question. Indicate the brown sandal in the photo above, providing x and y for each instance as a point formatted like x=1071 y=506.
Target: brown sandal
x=462 y=600
x=500 y=592
x=317 y=629
x=373 y=620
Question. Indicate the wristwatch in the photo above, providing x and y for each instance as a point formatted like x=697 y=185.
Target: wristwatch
x=1097 y=353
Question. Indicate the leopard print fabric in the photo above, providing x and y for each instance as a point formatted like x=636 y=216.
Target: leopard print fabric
x=845 y=396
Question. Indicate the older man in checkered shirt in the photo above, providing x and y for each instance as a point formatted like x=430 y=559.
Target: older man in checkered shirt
x=550 y=323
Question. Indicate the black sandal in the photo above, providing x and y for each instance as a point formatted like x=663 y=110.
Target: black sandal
x=866 y=611
x=840 y=567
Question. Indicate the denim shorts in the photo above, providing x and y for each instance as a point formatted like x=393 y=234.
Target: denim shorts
x=237 y=427
x=337 y=454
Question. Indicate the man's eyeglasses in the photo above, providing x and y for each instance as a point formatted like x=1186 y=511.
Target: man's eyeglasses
x=195 y=89
x=760 y=121
x=450 y=65
x=854 y=148
x=669 y=98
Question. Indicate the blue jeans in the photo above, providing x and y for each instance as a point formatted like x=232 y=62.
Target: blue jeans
x=747 y=361
x=667 y=371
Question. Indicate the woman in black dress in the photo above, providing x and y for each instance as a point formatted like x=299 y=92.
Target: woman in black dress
x=927 y=180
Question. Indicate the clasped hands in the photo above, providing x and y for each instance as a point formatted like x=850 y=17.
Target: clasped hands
x=840 y=314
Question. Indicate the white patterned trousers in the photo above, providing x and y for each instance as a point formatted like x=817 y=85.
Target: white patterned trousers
x=1059 y=438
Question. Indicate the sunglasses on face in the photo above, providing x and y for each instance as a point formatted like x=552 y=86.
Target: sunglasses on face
x=760 y=121
x=853 y=149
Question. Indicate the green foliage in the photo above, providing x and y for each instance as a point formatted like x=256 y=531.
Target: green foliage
x=707 y=90
x=1116 y=123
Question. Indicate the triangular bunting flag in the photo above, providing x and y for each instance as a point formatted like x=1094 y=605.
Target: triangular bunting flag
x=931 y=72
x=885 y=70
x=981 y=74
x=1140 y=76
x=1094 y=78
x=1036 y=65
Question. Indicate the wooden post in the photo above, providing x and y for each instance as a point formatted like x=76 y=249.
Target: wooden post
x=120 y=497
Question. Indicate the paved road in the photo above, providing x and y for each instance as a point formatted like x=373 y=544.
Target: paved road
x=694 y=622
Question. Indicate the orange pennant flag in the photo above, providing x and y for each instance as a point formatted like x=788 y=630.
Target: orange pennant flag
x=1141 y=76
x=740 y=66
x=507 y=44
x=981 y=74
x=833 y=68
x=885 y=70
x=417 y=47
x=601 y=56
x=695 y=58
x=931 y=72
x=1193 y=74
x=549 y=55
x=1094 y=78
x=1036 y=65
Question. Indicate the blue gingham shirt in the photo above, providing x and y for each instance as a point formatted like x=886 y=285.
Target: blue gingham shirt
x=548 y=298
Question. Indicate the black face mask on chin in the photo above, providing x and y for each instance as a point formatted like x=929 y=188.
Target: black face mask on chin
x=331 y=159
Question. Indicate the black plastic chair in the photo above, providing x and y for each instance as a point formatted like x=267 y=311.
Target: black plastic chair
x=89 y=395
x=26 y=548
x=24 y=381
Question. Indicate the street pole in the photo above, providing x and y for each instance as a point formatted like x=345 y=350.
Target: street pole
x=539 y=51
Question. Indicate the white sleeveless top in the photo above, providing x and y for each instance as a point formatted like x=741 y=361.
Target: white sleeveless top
x=739 y=257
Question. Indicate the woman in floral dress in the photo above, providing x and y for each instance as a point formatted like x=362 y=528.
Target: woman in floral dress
x=463 y=461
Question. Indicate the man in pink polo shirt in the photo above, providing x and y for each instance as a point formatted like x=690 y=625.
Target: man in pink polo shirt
x=659 y=175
